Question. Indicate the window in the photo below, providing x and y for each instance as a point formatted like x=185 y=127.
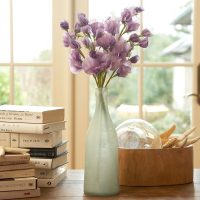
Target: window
x=26 y=52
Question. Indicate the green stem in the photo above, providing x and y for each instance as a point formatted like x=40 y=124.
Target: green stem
x=104 y=78
x=95 y=79
x=112 y=75
x=122 y=31
x=81 y=53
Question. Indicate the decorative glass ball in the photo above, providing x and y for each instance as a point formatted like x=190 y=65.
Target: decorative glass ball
x=138 y=134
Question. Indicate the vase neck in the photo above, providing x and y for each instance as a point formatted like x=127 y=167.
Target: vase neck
x=101 y=97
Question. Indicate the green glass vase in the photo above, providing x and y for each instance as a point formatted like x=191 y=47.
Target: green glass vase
x=101 y=156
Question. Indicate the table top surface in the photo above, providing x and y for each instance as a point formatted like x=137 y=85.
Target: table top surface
x=72 y=189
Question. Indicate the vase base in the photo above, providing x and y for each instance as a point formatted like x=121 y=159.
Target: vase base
x=100 y=194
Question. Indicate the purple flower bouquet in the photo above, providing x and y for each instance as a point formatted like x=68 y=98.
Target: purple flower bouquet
x=105 y=49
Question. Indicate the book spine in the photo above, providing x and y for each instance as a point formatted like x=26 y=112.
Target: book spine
x=49 y=153
x=52 y=182
x=17 y=116
x=20 y=194
x=41 y=163
x=30 y=140
x=40 y=141
x=21 y=128
x=15 y=159
x=17 y=167
x=14 y=142
x=5 y=139
x=18 y=184
x=45 y=173
x=17 y=173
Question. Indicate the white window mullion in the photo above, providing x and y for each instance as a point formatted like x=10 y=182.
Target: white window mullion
x=141 y=74
x=11 y=98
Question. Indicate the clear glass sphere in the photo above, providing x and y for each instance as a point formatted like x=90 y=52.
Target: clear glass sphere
x=137 y=134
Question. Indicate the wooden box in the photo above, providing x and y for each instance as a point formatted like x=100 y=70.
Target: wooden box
x=155 y=167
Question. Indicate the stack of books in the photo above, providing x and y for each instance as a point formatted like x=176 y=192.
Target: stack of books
x=17 y=177
x=38 y=128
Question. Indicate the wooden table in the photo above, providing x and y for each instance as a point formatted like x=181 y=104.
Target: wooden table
x=72 y=189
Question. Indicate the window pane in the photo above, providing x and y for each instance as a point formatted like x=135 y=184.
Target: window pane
x=171 y=25
x=109 y=8
x=164 y=97
x=4 y=85
x=5 y=31
x=33 y=86
x=122 y=97
x=32 y=30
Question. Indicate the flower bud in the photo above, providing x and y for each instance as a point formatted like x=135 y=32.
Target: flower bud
x=146 y=33
x=134 y=59
x=64 y=25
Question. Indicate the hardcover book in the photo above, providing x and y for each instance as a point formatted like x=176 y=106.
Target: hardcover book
x=11 y=159
x=30 y=140
x=49 y=152
x=20 y=194
x=48 y=173
x=22 y=173
x=31 y=114
x=11 y=127
x=53 y=182
x=49 y=163
x=18 y=184
x=16 y=167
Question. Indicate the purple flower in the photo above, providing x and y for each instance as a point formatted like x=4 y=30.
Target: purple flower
x=83 y=21
x=139 y=9
x=134 y=59
x=146 y=33
x=96 y=26
x=144 y=43
x=87 y=42
x=86 y=29
x=116 y=62
x=121 y=49
x=99 y=33
x=132 y=26
x=112 y=26
x=77 y=28
x=106 y=41
x=74 y=44
x=124 y=70
x=96 y=65
x=126 y=16
x=93 y=54
x=75 y=61
x=64 y=25
x=66 y=40
x=134 y=37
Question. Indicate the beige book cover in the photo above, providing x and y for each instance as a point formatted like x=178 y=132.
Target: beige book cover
x=26 y=194
x=53 y=182
x=49 y=163
x=18 y=184
x=30 y=140
x=16 y=167
x=48 y=173
x=11 y=127
x=22 y=173
x=10 y=159
x=31 y=114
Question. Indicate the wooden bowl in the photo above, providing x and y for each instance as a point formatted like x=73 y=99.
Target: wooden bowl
x=155 y=167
